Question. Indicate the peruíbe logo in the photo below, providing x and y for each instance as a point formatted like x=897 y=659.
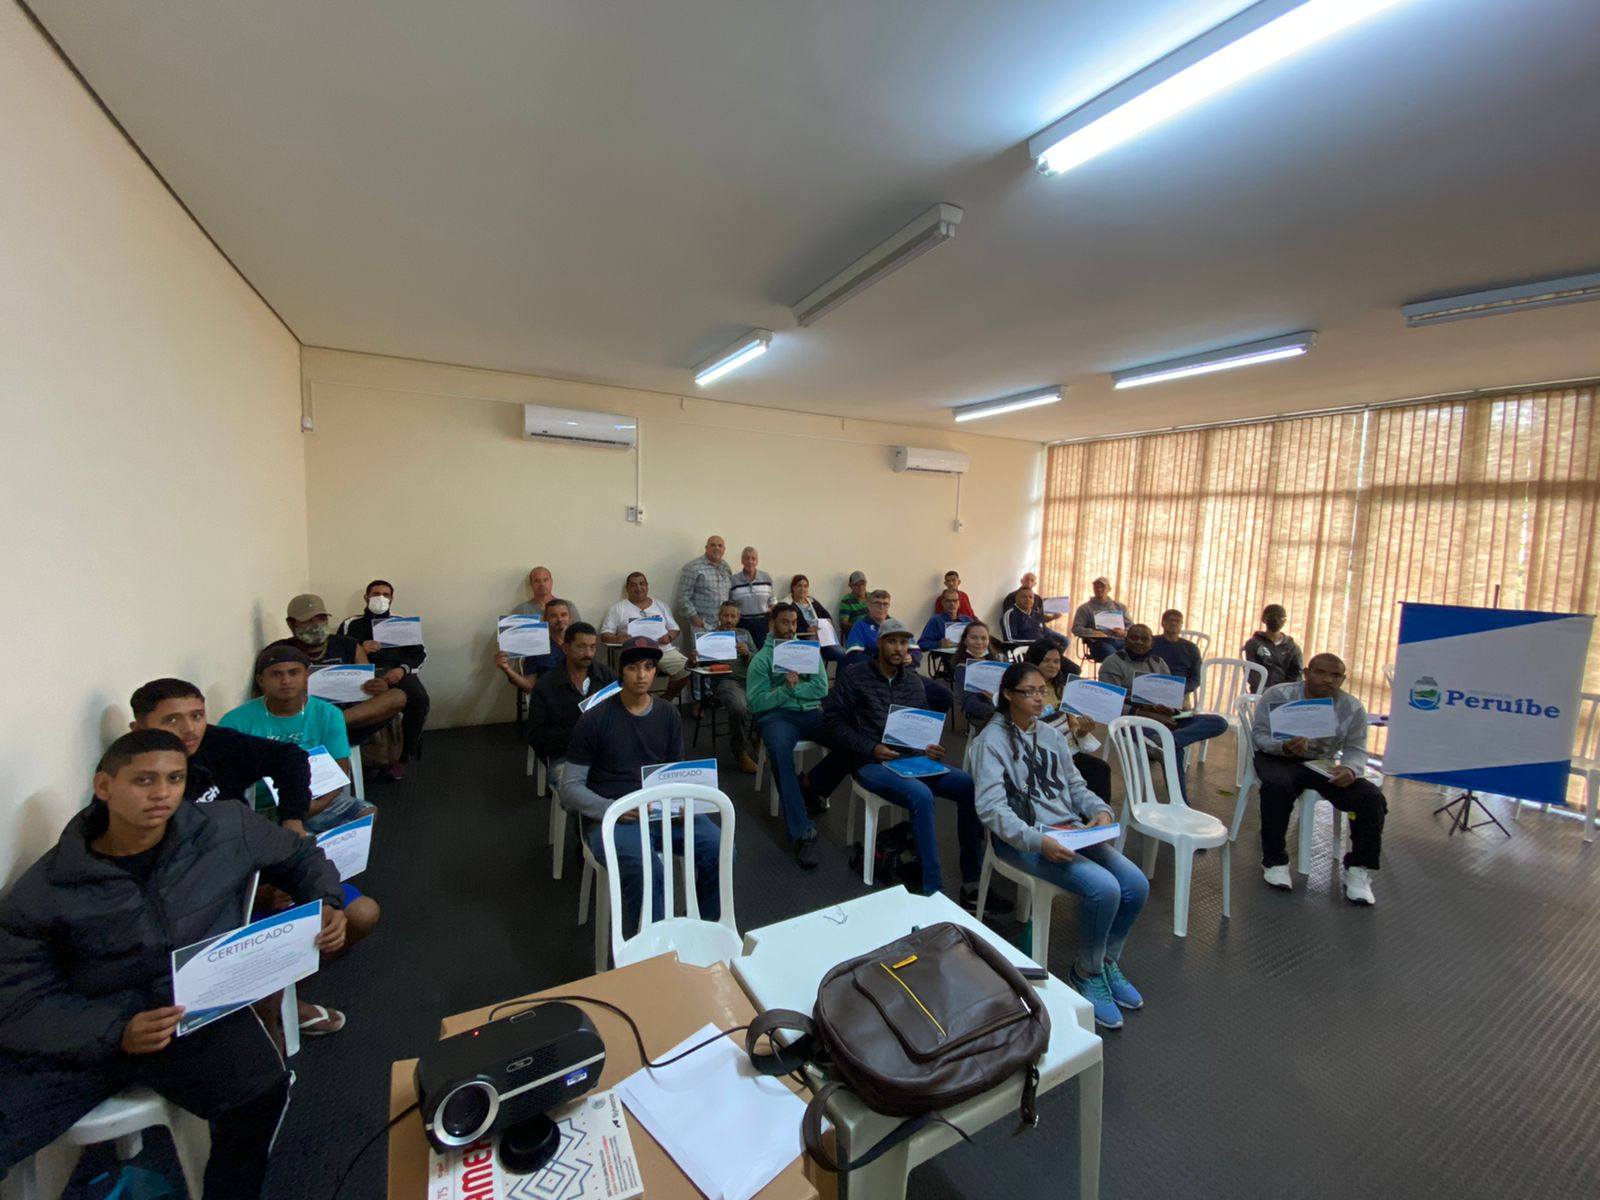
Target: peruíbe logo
x=1425 y=693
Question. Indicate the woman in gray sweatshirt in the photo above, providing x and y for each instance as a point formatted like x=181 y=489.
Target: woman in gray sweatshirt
x=1026 y=783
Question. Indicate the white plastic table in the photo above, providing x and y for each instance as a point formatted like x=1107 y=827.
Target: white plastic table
x=783 y=964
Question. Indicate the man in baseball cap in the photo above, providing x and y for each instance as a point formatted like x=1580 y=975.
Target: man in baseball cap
x=853 y=604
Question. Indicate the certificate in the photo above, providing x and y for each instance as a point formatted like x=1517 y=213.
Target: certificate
x=1056 y=605
x=1111 y=622
x=523 y=637
x=1163 y=691
x=652 y=627
x=341 y=684
x=604 y=694
x=718 y=646
x=1100 y=702
x=803 y=658
x=826 y=634
x=1076 y=837
x=953 y=631
x=327 y=776
x=916 y=728
x=220 y=975
x=984 y=677
x=347 y=846
x=1304 y=719
x=398 y=631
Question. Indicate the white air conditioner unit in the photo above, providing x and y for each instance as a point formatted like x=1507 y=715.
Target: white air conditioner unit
x=576 y=425
x=931 y=462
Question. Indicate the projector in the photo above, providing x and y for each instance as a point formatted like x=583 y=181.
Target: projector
x=506 y=1072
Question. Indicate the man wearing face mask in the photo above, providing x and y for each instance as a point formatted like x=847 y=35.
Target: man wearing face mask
x=310 y=634
x=1274 y=649
x=1135 y=659
x=397 y=665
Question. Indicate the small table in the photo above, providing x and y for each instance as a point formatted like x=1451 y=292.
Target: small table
x=784 y=963
x=670 y=1000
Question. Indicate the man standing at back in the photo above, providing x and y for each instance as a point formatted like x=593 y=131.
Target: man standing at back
x=703 y=585
x=952 y=583
x=398 y=665
x=751 y=590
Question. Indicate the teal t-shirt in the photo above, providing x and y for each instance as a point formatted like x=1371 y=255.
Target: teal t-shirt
x=317 y=724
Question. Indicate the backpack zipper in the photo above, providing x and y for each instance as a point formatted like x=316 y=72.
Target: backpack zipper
x=915 y=999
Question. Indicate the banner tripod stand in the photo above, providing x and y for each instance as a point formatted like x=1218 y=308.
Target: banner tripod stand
x=1461 y=817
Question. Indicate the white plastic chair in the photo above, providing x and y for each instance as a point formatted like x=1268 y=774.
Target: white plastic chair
x=1035 y=898
x=358 y=777
x=1585 y=763
x=873 y=806
x=697 y=941
x=1203 y=640
x=1172 y=821
x=764 y=778
x=1245 y=781
x=1222 y=682
x=558 y=820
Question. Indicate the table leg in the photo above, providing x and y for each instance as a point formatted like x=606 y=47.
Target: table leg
x=1091 y=1085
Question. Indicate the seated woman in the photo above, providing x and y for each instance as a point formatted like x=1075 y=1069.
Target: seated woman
x=1025 y=784
x=811 y=611
x=974 y=646
x=1057 y=669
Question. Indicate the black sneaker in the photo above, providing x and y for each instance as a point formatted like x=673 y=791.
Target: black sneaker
x=996 y=905
x=805 y=852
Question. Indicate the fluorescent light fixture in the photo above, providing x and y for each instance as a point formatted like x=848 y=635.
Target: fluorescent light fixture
x=747 y=349
x=1547 y=293
x=1009 y=404
x=1289 y=346
x=1261 y=35
x=936 y=225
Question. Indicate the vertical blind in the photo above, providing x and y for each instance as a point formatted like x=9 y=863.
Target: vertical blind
x=1339 y=518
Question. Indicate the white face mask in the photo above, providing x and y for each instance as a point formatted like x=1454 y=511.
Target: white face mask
x=377 y=605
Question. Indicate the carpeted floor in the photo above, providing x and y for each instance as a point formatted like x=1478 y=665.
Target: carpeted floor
x=1444 y=1044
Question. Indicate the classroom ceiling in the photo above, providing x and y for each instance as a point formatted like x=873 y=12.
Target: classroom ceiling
x=608 y=191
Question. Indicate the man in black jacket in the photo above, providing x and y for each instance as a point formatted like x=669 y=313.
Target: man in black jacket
x=854 y=715
x=86 y=938
x=398 y=665
x=553 y=711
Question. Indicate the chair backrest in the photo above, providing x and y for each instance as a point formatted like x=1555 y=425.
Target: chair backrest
x=1203 y=640
x=1017 y=653
x=1224 y=680
x=1588 y=744
x=1129 y=743
x=250 y=896
x=675 y=803
x=1244 y=775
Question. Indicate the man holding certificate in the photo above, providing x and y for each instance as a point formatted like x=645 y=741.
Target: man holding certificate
x=86 y=938
x=1312 y=735
x=638 y=615
x=1158 y=692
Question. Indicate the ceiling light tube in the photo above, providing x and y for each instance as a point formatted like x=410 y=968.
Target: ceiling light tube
x=1547 y=293
x=1255 y=39
x=1270 y=350
x=747 y=349
x=1008 y=404
x=936 y=225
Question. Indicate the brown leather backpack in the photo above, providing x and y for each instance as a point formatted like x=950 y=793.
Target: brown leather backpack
x=930 y=1020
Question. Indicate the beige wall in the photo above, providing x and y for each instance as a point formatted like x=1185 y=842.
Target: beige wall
x=152 y=480
x=419 y=473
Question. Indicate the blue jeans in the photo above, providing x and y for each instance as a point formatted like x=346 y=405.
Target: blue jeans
x=630 y=863
x=1103 y=648
x=835 y=654
x=1187 y=732
x=916 y=795
x=781 y=729
x=1111 y=891
x=343 y=807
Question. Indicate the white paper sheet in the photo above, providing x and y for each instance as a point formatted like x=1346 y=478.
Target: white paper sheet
x=523 y=637
x=827 y=635
x=701 y=771
x=327 y=775
x=1304 y=718
x=348 y=846
x=803 y=658
x=605 y=693
x=1080 y=837
x=953 y=631
x=1111 y=622
x=220 y=975
x=1100 y=702
x=1164 y=691
x=341 y=684
x=398 y=631
x=719 y=645
x=729 y=1128
x=1057 y=604
x=984 y=677
x=654 y=628
x=915 y=728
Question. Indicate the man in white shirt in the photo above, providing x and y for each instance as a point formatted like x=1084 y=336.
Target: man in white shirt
x=639 y=606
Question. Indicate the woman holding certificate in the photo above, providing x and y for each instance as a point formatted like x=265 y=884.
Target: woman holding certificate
x=1034 y=803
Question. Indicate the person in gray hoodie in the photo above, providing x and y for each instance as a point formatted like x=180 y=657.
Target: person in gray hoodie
x=1025 y=784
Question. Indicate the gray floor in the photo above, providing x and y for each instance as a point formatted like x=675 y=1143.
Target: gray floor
x=1443 y=1044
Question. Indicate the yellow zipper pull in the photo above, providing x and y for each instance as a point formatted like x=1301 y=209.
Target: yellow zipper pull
x=904 y=962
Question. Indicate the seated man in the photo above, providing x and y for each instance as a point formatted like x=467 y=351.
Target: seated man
x=308 y=625
x=729 y=689
x=788 y=710
x=1180 y=654
x=1284 y=771
x=1102 y=643
x=1024 y=624
x=541 y=587
x=553 y=711
x=525 y=671
x=952 y=583
x=863 y=640
x=853 y=604
x=1274 y=649
x=639 y=605
x=398 y=665
x=943 y=629
x=1137 y=657
x=854 y=715
x=612 y=742
x=86 y=938
x=285 y=712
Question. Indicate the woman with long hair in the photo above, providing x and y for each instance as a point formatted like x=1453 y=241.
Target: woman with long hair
x=974 y=646
x=1026 y=784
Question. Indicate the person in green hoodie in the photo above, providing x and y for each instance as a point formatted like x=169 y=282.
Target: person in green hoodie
x=788 y=709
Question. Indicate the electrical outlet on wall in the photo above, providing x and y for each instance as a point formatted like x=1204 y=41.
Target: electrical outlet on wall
x=958 y=524
x=636 y=514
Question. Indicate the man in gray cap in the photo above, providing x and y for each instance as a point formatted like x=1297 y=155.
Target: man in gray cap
x=310 y=633
x=853 y=604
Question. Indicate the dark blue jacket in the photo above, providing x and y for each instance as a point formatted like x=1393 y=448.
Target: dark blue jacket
x=855 y=711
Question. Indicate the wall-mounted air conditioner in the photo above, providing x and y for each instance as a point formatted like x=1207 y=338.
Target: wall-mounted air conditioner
x=575 y=425
x=931 y=462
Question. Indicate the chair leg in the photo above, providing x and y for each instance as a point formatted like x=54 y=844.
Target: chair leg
x=602 y=927
x=191 y=1138
x=558 y=837
x=584 y=885
x=1238 y=814
x=1091 y=1090
x=869 y=840
x=1307 y=815
x=1183 y=867
x=761 y=769
x=1150 y=845
x=289 y=1014
x=1227 y=879
x=1040 y=917
x=1516 y=809
x=983 y=881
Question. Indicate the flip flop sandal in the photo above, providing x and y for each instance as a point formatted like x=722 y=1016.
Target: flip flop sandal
x=327 y=1020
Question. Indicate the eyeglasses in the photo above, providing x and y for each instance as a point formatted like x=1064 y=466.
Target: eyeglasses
x=1028 y=693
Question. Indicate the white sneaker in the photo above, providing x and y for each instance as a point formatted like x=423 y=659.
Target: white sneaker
x=1279 y=877
x=1358 y=886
